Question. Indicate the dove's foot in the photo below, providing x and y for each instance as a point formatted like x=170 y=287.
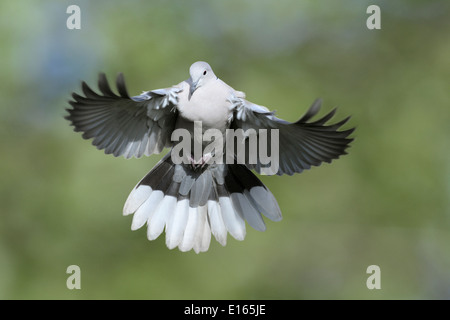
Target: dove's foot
x=200 y=163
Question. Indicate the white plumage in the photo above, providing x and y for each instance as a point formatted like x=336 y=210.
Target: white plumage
x=190 y=233
x=216 y=223
x=145 y=211
x=157 y=221
x=233 y=221
x=176 y=224
x=136 y=199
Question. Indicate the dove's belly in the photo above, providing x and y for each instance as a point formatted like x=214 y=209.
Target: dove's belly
x=197 y=127
x=216 y=120
x=195 y=132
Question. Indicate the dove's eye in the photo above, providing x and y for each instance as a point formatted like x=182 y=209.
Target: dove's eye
x=204 y=72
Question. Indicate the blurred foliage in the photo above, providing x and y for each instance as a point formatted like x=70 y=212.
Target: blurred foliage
x=386 y=203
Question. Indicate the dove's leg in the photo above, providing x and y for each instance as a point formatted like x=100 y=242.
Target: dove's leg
x=200 y=163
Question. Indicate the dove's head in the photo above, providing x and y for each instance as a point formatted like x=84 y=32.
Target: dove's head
x=200 y=73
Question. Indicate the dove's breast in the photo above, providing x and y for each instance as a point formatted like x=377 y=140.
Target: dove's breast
x=209 y=104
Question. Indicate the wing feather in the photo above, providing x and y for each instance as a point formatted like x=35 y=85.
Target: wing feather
x=302 y=144
x=123 y=125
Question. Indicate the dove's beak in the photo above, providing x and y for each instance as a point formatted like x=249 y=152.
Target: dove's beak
x=193 y=87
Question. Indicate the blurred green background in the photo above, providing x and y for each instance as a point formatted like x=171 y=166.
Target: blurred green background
x=387 y=203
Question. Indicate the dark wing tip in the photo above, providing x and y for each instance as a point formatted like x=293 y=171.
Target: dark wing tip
x=68 y=116
x=121 y=87
x=312 y=111
x=88 y=92
x=320 y=124
x=316 y=104
x=349 y=131
x=342 y=122
x=76 y=97
x=104 y=87
x=325 y=118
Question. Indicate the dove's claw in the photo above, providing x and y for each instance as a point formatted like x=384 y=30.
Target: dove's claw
x=200 y=163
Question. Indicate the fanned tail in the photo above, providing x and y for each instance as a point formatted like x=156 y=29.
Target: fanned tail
x=193 y=204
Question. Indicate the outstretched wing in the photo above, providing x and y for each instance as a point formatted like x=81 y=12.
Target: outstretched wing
x=124 y=125
x=301 y=144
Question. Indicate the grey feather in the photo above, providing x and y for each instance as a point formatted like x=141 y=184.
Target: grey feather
x=302 y=144
x=119 y=124
x=258 y=194
x=187 y=183
x=201 y=189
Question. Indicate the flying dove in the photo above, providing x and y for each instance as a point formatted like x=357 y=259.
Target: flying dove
x=195 y=198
